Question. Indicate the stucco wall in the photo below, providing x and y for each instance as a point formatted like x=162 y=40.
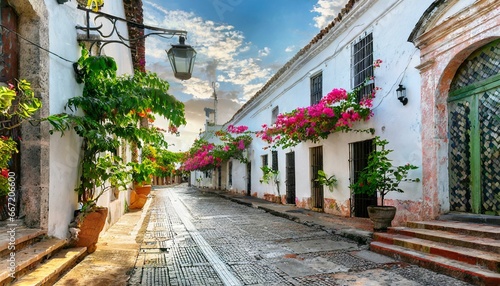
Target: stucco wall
x=449 y=34
x=65 y=151
x=391 y=22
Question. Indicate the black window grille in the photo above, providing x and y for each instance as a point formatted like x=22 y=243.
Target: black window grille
x=265 y=160
x=275 y=160
x=230 y=173
x=316 y=88
x=274 y=114
x=358 y=160
x=362 y=66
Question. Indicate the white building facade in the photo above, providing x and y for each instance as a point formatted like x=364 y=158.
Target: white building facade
x=365 y=31
x=49 y=166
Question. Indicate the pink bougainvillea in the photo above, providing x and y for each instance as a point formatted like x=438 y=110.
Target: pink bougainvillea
x=205 y=156
x=336 y=111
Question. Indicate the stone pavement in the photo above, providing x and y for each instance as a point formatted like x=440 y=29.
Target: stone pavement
x=115 y=257
x=195 y=237
x=121 y=247
x=357 y=229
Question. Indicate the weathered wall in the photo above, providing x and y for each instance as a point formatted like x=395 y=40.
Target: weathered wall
x=33 y=64
x=65 y=151
x=449 y=34
x=391 y=22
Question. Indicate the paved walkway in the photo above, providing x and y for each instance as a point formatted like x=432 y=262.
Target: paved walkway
x=118 y=250
x=357 y=229
x=113 y=261
x=118 y=247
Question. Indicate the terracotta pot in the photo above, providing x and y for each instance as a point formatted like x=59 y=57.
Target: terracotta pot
x=137 y=201
x=143 y=189
x=92 y=225
x=381 y=216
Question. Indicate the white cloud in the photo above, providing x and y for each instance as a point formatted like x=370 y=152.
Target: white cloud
x=264 y=52
x=290 y=49
x=327 y=10
x=219 y=48
x=214 y=42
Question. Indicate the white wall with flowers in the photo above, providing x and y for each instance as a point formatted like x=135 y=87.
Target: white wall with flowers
x=65 y=151
x=390 y=23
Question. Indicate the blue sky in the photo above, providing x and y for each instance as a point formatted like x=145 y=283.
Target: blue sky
x=240 y=45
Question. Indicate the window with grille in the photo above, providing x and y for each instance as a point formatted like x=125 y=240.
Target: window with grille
x=316 y=88
x=362 y=66
x=230 y=173
x=358 y=160
x=274 y=114
x=275 y=160
x=264 y=160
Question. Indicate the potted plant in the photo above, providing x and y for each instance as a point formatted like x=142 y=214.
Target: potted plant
x=110 y=111
x=323 y=179
x=17 y=104
x=381 y=177
x=142 y=174
x=105 y=173
x=269 y=175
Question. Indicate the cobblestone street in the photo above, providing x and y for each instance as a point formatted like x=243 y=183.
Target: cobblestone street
x=199 y=238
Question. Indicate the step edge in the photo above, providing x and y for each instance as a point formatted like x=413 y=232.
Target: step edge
x=478 y=257
x=463 y=226
x=39 y=232
x=28 y=260
x=436 y=232
x=401 y=251
x=441 y=245
x=78 y=253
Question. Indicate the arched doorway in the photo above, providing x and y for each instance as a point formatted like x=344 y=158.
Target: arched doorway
x=474 y=133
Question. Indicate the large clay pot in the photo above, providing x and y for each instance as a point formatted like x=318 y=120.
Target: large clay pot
x=90 y=227
x=143 y=189
x=137 y=201
x=381 y=216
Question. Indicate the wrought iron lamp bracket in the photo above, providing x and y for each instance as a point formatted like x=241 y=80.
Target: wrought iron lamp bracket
x=96 y=37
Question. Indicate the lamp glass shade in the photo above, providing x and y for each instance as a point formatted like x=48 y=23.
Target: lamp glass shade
x=401 y=92
x=182 y=59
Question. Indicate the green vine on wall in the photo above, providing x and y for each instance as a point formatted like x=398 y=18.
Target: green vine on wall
x=109 y=113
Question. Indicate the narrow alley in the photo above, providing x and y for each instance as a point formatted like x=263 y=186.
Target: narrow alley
x=198 y=238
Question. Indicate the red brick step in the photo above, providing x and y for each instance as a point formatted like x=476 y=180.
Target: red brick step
x=471 y=229
x=486 y=259
x=464 y=271
x=480 y=243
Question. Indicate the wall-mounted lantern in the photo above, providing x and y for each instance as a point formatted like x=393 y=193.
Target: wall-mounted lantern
x=181 y=59
x=181 y=56
x=401 y=93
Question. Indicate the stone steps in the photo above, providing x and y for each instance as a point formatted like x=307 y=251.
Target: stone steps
x=31 y=258
x=472 y=229
x=48 y=272
x=460 y=270
x=479 y=243
x=467 y=251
